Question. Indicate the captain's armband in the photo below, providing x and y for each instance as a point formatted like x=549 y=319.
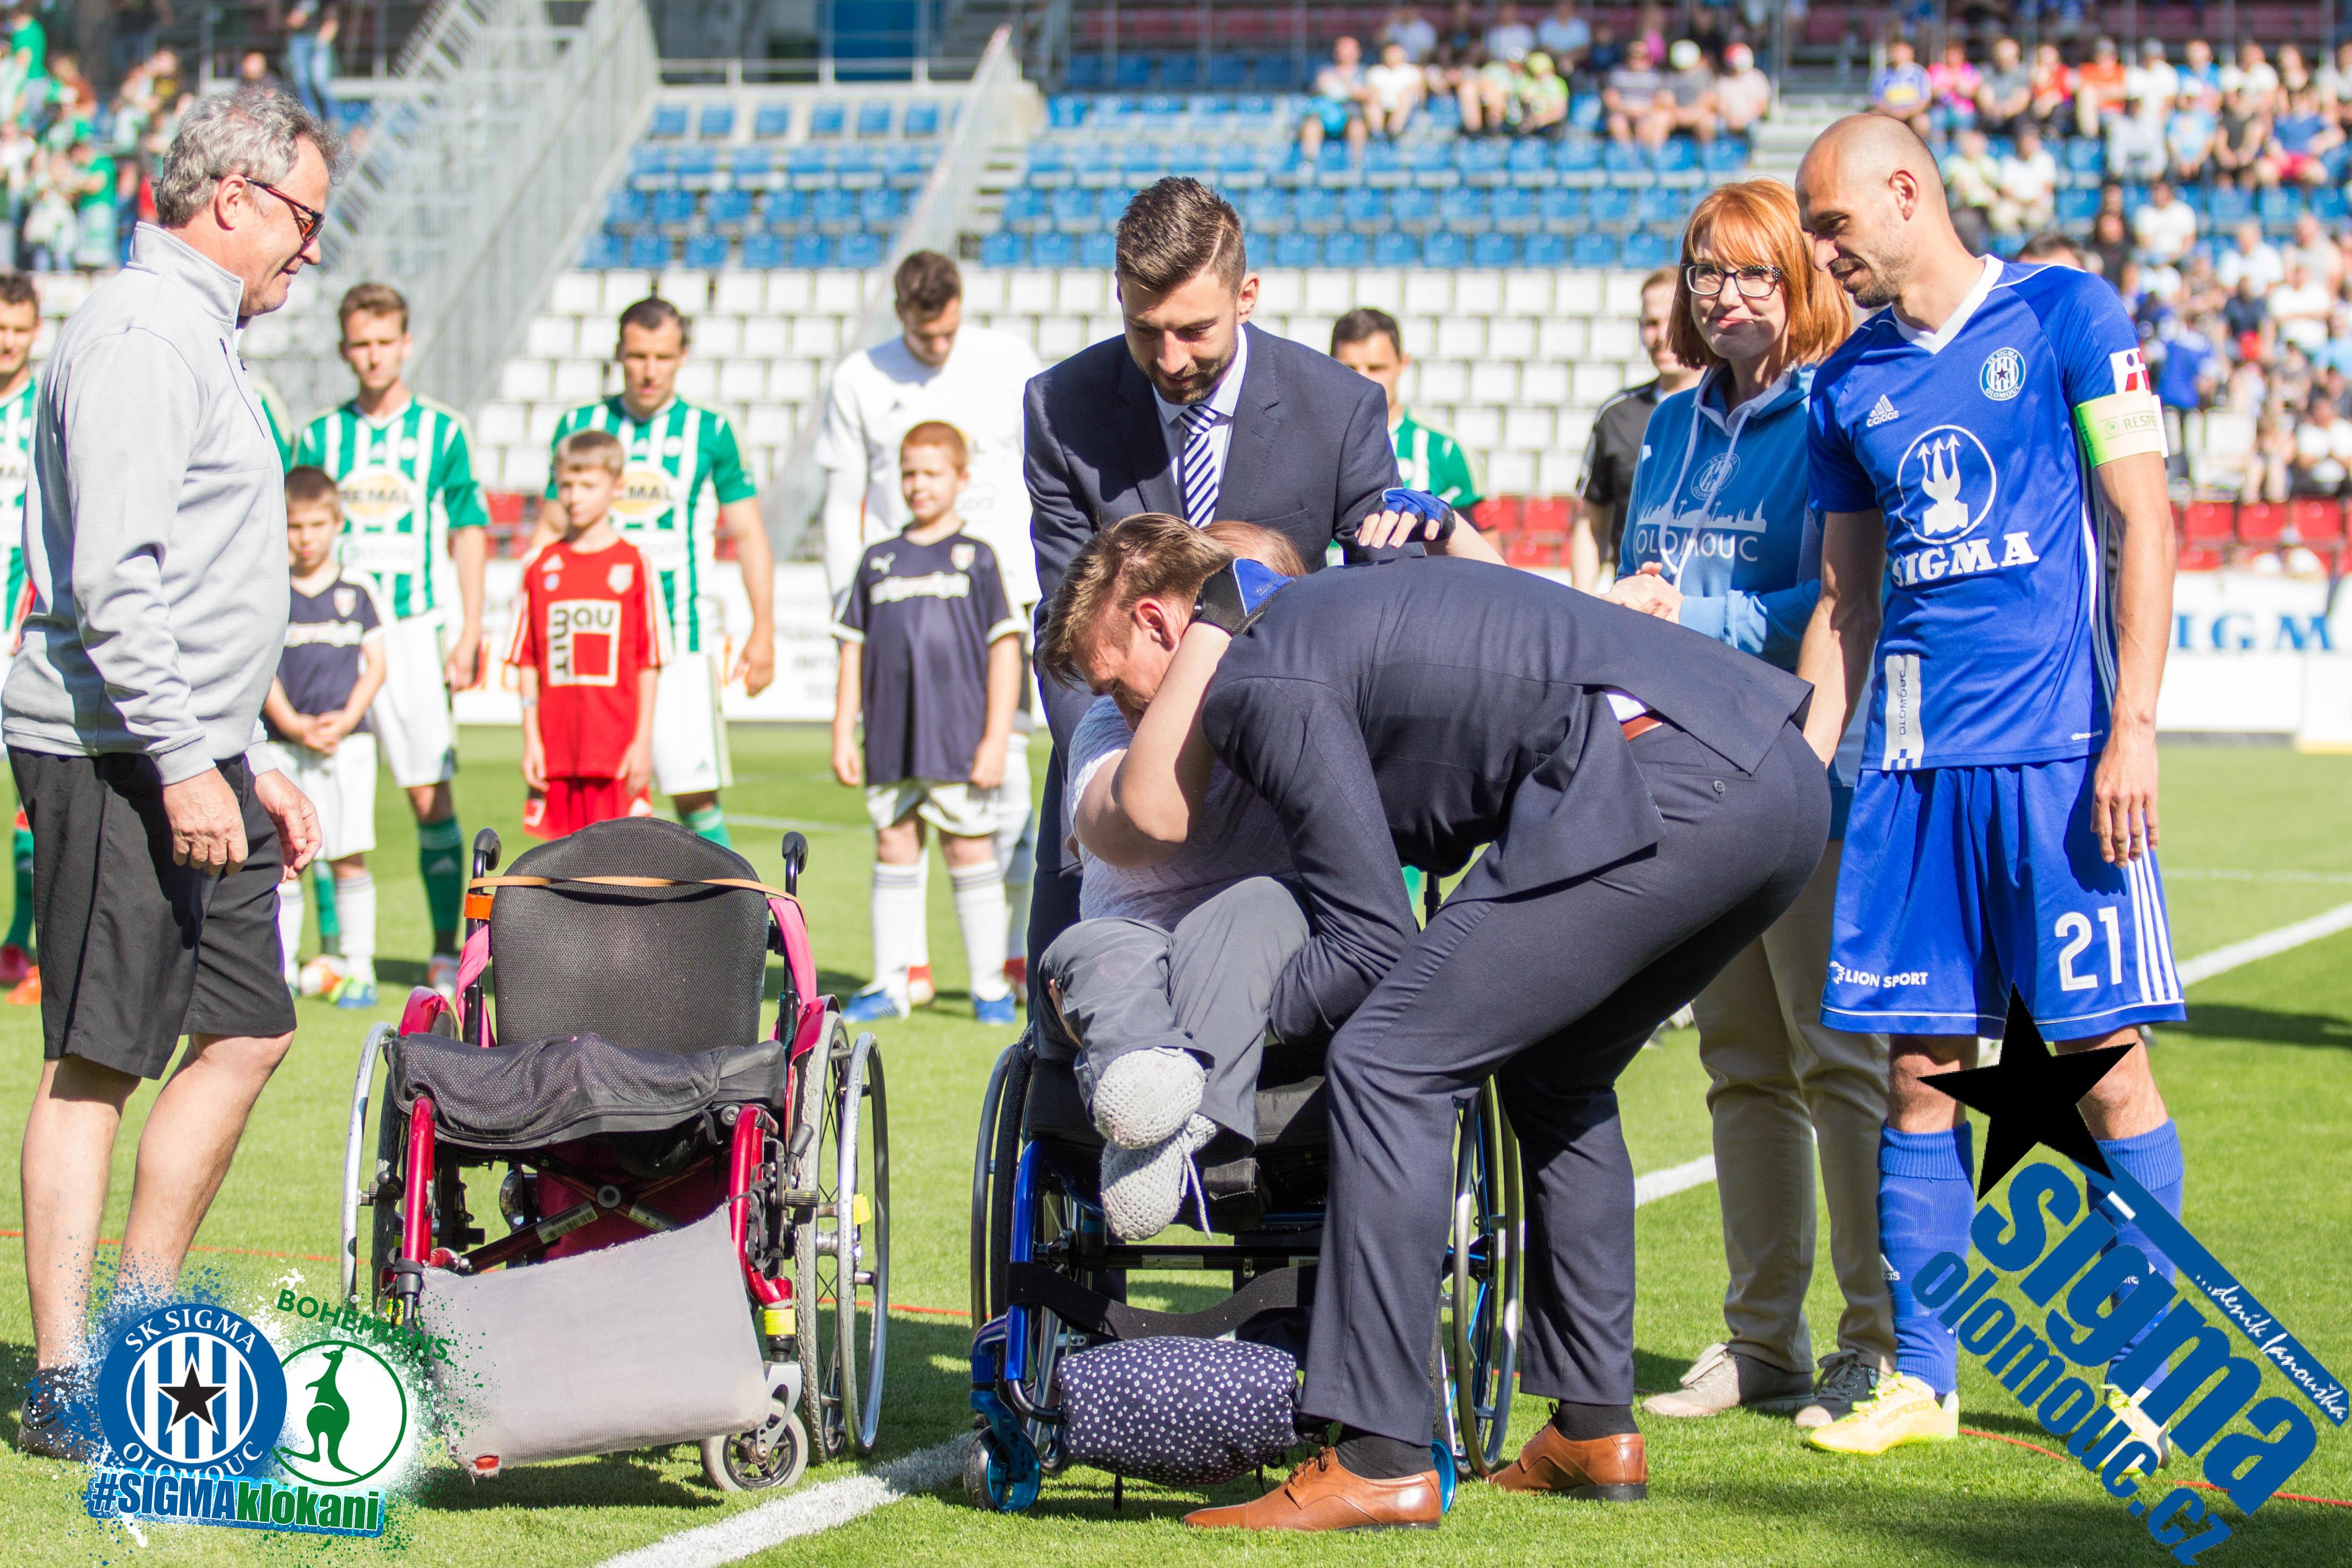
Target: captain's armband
x=2120 y=425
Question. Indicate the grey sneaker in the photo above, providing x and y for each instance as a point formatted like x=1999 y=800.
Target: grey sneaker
x=1145 y=1097
x=48 y=1425
x=1847 y=1379
x=2142 y=1427
x=1143 y=1189
x=1721 y=1379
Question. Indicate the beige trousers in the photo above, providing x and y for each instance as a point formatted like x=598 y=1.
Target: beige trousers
x=1782 y=1084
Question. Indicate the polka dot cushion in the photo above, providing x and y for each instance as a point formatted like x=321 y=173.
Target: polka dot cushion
x=1182 y=1412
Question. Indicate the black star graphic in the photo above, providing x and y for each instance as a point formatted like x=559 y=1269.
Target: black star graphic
x=194 y=1396
x=2030 y=1098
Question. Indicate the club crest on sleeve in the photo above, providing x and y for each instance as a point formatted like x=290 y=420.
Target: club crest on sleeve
x=620 y=576
x=963 y=555
x=346 y=601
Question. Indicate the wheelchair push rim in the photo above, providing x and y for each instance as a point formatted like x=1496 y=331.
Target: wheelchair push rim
x=842 y=1248
x=1484 y=1281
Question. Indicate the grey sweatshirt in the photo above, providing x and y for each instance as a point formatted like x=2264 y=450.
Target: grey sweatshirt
x=157 y=562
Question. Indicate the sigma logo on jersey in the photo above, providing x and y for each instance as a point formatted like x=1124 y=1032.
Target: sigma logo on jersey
x=1948 y=482
x=1715 y=474
x=2130 y=370
x=584 y=643
x=2003 y=375
x=378 y=496
x=646 y=493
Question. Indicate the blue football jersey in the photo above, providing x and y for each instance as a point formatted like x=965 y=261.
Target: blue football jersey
x=1997 y=644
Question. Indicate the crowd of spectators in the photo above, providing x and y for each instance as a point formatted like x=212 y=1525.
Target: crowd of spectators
x=1523 y=73
x=74 y=167
x=2241 y=323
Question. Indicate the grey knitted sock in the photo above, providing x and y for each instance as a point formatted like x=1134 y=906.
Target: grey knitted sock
x=1145 y=1096
x=1143 y=1189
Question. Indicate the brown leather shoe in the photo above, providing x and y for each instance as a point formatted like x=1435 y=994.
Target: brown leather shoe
x=1610 y=1469
x=1324 y=1494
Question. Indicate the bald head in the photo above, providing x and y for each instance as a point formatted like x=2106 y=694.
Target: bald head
x=1870 y=195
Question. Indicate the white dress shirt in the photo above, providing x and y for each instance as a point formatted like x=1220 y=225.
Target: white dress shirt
x=1223 y=400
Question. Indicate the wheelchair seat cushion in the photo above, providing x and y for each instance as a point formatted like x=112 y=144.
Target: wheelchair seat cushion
x=517 y=1097
x=664 y=968
x=1181 y=1412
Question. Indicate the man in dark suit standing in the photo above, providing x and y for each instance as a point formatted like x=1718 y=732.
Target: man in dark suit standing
x=1192 y=412
x=1647 y=800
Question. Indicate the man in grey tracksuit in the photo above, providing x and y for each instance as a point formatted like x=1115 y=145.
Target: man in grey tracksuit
x=157 y=566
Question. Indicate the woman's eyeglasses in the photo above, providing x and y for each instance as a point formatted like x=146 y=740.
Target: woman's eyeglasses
x=1754 y=282
x=308 y=221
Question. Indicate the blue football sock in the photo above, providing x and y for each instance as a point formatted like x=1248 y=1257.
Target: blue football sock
x=2153 y=1160
x=1926 y=1200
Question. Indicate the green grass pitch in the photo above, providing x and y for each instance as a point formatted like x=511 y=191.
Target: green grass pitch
x=2260 y=1078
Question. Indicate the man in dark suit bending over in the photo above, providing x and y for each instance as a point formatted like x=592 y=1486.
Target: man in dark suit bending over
x=1195 y=414
x=1648 y=804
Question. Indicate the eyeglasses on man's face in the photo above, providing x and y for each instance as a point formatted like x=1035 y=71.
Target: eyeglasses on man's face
x=1706 y=280
x=307 y=220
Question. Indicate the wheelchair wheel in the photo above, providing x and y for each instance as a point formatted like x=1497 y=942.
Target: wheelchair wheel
x=769 y=1456
x=842 y=1251
x=361 y=1181
x=1484 y=1274
x=993 y=1164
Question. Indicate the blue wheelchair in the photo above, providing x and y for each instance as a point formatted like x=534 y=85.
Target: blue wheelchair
x=1049 y=1281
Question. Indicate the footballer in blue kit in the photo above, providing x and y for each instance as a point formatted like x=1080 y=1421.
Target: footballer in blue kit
x=1987 y=456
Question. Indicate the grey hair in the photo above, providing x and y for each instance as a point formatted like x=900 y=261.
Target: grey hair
x=253 y=131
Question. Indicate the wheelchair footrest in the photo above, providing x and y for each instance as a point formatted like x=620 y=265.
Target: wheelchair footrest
x=1277 y=1290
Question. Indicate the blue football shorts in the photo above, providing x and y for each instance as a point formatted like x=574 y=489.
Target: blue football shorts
x=1960 y=883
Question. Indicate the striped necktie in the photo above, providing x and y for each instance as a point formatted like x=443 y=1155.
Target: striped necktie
x=1199 y=471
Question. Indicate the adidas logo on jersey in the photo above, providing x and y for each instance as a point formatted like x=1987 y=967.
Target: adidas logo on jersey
x=1880 y=413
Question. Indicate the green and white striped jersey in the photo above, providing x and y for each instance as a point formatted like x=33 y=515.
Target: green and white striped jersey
x=681 y=453
x=19 y=489
x=406 y=482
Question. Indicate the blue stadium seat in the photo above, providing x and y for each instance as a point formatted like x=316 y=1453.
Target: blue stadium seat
x=1494 y=250
x=763 y=252
x=717 y=122
x=707 y=251
x=810 y=251
x=1265 y=212
x=1130 y=73
x=1514 y=210
x=1726 y=155
x=1098 y=249
x=873 y=119
x=1562 y=207
x=774 y=122
x=1528 y=164
x=1086 y=73
x=1238 y=168
x=1228 y=73
x=1585 y=111
x=1180 y=73
x=1065 y=111
x=668 y=122
x=2329 y=204
x=857 y=168
x=881 y=211
x=1444 y=249
x=1188 y=159
x=1659 y=207
x=1444 y=111
x=1335 y=168
x=1609 y=206
x=784 y=211
x=1140 y=162
x=834 y=212
x=728 y=209
x=1384 y=165
x=827 y=120
x=861 y=251
x=1346 y=249
x=1316 y=212
x=672 y=209
x=1363 y=210
x=1274 y=73
x=906 y=168
x=1463 y=211
x=1296 y=250
x=1482 y=162
x=1414 y=210
x=2077 y=205
x=625 y=207
x=2085 y=156
x=1292 y=171
x=1255 y=111
x=808 y=169
x=751 y=165
x=1646 y=248
x=1049 y=164
x=697 y=167
x=1074 y=211
x=1591 y=249
x=1578 y=157
x=1679 y=155
x=604 y=253
x=2278 y=206
x=922 y=118
x=1001 y=249
x=1394 y=249
x=2232 y=204
x=1097 y=166
x=1545 y=250
x=1053 y=250
x=650 y=252
x=1621 y=158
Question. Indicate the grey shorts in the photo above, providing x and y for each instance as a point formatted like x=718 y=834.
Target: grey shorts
x=136 y=951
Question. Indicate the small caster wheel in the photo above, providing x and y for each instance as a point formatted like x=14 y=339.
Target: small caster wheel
x=771 y=1456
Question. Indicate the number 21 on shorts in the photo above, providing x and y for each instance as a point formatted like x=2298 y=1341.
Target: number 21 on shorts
x=2073 y=929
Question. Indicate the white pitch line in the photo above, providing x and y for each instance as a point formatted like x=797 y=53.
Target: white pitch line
x=2269 y=944
x=1672 y=1180
x=806 y=1512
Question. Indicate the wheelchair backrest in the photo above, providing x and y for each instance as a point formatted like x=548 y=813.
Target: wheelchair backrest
x=661 y=968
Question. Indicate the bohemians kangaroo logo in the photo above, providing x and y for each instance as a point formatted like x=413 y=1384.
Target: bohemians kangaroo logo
x=347 y=1405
